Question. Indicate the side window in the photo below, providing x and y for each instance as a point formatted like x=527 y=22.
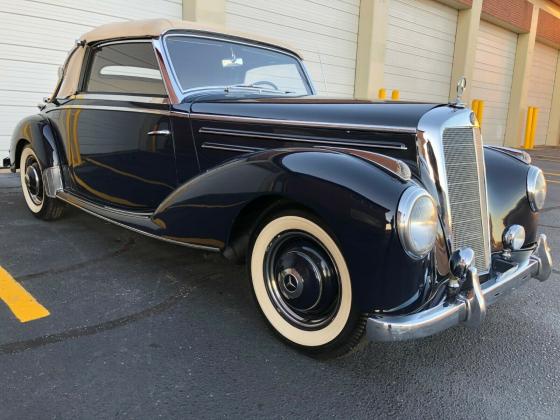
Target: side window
x=125 y=68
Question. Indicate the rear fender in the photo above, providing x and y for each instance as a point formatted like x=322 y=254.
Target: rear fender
x=37 y=131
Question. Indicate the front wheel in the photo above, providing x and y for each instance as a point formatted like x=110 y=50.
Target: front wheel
x=31 y=177
x=302 y=285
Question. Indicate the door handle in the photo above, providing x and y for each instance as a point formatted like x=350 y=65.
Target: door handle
x=159 y=133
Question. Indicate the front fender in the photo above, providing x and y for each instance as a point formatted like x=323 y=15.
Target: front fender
x=356 y=199
x=506 y=181
x=37 y=131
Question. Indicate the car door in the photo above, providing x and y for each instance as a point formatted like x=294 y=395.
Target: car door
x=117 y=130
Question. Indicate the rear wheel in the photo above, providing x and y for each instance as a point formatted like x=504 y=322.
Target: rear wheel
x=31 y=176
x=302 y=285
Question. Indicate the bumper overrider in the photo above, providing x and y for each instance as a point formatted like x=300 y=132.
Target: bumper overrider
x=468 y=306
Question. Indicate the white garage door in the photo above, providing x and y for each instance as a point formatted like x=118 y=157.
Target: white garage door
x=326 y=33
x=37 y=35
x=493 y=73
x=541 y=86
x=420 y=47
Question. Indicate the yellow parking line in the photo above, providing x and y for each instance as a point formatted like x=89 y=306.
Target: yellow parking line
x=552 y=173
x=23 y=305
x=553 y=181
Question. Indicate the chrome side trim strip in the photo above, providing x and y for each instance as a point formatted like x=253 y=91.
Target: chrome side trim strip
x=299 y=139
x=230 y=147
x=159 y=133
x=83 y=205
x=113 y=108
x=122 y=98
x=300 y=123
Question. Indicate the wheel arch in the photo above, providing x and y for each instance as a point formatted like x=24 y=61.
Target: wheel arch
x=20 y=144
x=36 y=131
x=250 y=216
x=357 y=201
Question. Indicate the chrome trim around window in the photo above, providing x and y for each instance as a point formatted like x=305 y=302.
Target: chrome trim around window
x=181 y=93
x=113 y=108
x=300 y=123
x=160 y=100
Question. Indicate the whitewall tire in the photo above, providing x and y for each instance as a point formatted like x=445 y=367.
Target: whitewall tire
x=302 y=284
x=31 y=177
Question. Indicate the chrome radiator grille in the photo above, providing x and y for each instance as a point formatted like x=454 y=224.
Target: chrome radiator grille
x=462 y=148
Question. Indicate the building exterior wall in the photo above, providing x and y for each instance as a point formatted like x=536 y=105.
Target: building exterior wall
x=348 y=44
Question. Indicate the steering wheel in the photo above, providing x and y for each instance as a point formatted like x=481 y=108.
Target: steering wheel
x=265 y=82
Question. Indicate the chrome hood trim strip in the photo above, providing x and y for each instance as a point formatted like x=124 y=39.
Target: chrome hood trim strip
x=302 y=123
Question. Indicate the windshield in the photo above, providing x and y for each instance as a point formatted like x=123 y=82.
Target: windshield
x=204 y=63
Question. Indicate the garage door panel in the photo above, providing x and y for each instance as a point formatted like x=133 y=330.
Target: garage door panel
x=36 y=37
x=31 y=54
x=10 y=116
x=115 y=9
x=22 y=98
x=325 y=32
x=38 y=32
x=424 y=88
x=21 y=76
x=419 y=49
x=412 y=40
x=424 y=67
x=418 y=12
x=492 y=78
x=541 y=87
x=295 y=13
x=4 y=145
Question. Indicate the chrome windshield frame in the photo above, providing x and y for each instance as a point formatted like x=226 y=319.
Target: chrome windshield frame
x=161 y=48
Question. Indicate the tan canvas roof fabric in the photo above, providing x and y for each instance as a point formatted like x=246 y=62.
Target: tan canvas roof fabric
x=156 y=27
x=143 y=28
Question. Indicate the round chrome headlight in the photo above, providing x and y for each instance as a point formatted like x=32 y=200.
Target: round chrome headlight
x=417 y=222
x=536 y=188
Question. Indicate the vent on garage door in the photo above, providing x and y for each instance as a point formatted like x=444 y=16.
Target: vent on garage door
x=420 y=47
x=325 y=32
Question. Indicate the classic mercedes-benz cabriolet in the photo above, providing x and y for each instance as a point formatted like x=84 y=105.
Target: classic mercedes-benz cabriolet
x=389 y=219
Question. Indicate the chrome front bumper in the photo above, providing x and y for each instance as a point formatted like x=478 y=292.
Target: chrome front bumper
x=468 y=308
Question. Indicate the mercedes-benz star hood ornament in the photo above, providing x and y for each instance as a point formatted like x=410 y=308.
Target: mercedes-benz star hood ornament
x=461 y=85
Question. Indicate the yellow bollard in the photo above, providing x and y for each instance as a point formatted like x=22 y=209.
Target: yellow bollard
x=480 y=112
x=528 y=128
x=395 y=95
x=474 y=106
x=534 y=126
x=382 y=94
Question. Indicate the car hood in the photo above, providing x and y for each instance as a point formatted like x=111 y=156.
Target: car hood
x=316 y=109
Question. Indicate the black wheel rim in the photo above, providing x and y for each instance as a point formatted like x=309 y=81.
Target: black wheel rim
x=33 y=180
x=302 y=280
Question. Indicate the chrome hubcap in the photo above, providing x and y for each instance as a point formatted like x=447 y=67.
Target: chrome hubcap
x=302 y=280
x=33 y=180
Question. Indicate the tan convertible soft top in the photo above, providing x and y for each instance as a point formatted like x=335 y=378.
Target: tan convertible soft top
x=146 y=28
x=157 y=27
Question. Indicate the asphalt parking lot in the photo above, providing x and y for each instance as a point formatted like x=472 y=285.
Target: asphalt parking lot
x=143 y=329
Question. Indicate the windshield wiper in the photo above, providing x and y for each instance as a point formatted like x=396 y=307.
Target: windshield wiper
x=256 y=87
